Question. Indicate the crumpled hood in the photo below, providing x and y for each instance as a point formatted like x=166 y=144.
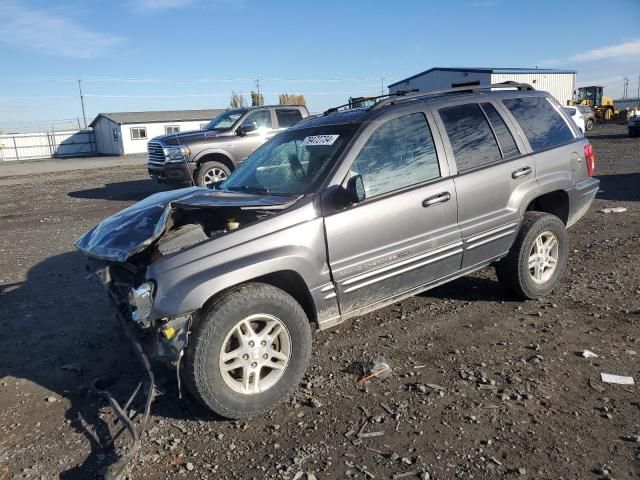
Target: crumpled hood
x=135 y=228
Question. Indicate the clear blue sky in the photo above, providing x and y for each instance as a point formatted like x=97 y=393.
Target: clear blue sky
x=183 y=54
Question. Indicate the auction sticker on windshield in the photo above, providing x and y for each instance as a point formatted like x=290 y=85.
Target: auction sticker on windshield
x=320 y=140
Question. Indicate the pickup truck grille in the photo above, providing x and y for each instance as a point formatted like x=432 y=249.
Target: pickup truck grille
x=156 y=153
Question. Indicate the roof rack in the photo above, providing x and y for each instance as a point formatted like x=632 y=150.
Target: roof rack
x=339 y=107
x=395 y=98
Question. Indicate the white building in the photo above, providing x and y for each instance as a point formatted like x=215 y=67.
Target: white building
x=559 y=83
x=128 y=132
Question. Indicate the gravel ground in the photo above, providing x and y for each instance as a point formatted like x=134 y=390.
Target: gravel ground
x=481 y=386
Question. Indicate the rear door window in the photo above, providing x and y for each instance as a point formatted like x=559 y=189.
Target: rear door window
x=261 y=117
x=540 y=122
x=470 y=136
x=288 y=116
x=506 y=142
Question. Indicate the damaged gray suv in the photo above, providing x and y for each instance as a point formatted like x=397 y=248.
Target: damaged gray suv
x=338 y=216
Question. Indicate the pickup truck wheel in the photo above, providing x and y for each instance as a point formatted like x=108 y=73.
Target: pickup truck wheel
x=537 y=258
x=249 y=351
x=209 y=173
x=589 y=125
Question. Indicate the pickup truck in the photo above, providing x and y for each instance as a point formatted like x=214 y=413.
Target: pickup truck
x=204 y=157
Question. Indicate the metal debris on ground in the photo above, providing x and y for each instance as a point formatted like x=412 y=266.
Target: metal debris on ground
x=614 y=210
x=588 y=354
x=617 y=379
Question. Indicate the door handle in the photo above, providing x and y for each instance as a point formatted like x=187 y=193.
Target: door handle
x=436 y=199
x=521 y=172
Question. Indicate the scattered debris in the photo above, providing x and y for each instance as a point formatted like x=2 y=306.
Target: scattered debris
x=51 y=399
x=632 y=438
x=617 y=379
x=406 y=474
x=370 y=434
x=587 y=354
x=614 y=210
x=380 y=369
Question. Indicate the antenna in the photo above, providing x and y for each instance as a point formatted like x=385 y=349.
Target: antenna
x=84 y=115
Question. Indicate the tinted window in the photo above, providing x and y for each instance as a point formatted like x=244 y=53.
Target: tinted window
x=470 y=136
x=541 y=123
x=398 y=154
x=261 y=117
x=287 y=117
x=505 y=140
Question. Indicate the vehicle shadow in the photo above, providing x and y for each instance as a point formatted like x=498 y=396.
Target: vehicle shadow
x=59 y=333
x=620 y=187
x=607 y=136
x=130 y=190
x=476 y=288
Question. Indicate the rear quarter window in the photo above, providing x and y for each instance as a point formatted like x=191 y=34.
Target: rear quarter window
x=288 y=117
x=543 y=126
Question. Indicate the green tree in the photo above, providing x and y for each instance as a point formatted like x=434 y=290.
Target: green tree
x=257 y=99
x=237 y=100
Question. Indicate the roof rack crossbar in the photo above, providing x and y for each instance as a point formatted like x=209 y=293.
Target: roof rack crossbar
x=395 y=98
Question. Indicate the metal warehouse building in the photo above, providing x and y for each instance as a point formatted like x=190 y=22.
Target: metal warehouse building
x=128 y=132
x=559 y=83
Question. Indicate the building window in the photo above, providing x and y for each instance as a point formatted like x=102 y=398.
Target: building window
x=203 y=126
x=168 y=129
x=138 y=133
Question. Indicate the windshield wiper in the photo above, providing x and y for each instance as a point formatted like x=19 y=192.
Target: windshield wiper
x=248 y=189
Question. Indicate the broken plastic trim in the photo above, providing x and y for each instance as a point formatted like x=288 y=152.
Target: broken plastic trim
x=117 y=468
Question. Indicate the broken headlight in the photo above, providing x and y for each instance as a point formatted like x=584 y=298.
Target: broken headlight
x=140 y=301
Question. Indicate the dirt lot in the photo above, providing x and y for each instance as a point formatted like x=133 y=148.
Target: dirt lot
x=482 y=386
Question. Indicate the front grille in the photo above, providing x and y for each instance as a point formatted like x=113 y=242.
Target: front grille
x=156 y=153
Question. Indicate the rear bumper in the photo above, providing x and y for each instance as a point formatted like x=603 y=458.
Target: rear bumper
x=581 y=197
x=172 y=172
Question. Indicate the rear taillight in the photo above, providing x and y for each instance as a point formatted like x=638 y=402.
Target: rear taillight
x=590 y=159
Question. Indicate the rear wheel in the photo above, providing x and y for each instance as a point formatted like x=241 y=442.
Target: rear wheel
x=211 y=172
x=249 y=351
x=589 y=124
x=537 y=259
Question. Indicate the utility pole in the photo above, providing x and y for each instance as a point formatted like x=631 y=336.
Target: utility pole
x=84 y=114
x=382 y=85
x=258 y=86
x=626 y=87
x=638 y=96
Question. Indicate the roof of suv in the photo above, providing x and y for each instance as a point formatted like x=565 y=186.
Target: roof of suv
x=335 y=116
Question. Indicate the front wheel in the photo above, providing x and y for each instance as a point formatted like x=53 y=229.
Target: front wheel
x=537 y=258
x=249 y=351
x=209 y=173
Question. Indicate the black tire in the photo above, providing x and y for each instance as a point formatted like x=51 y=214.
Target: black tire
x=589 y=124
x=513 y=270
x=206 y=167
x=202 y=372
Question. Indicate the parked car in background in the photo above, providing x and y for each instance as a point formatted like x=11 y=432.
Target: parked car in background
x=338 y=216
x=208 y=156
x=634 y=126
x=576 y=117
x=588 y=115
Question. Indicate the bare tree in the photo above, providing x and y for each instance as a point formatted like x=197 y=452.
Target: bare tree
x=237 y=100
x=291 y=99
x=257 y=99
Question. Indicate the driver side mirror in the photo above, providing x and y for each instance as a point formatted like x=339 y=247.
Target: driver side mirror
x=355 y=190
x=247 y=127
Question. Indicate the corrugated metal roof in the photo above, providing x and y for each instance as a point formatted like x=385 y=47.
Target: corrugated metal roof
x=483 y=70
x=159 y=116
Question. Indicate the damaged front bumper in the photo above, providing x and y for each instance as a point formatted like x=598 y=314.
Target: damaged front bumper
x=164 y=340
